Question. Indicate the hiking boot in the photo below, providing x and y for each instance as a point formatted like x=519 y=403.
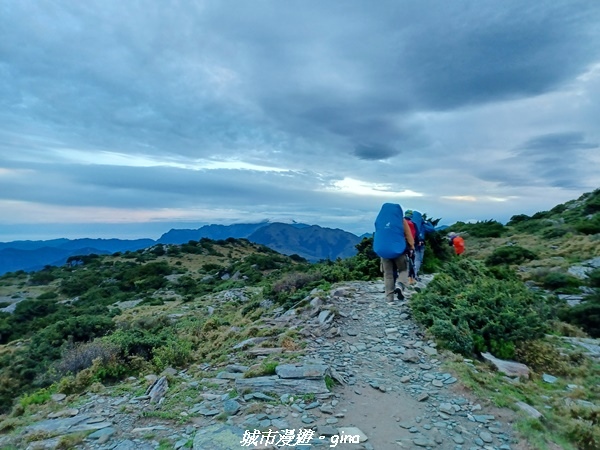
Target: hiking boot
x=399 y=293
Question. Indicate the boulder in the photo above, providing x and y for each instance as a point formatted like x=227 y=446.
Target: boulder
x=510 y=368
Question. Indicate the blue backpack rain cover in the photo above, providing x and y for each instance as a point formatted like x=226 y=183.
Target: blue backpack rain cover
x=417 y=219
x=389 y=241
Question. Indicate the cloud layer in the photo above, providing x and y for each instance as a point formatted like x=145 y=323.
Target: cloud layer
x=196 y=112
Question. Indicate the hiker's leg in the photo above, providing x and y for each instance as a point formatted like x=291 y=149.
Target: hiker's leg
x=419 y=253
x=388 y=278
x=402 y=265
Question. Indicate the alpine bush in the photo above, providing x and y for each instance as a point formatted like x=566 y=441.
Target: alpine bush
x=589 y=226
x=594 y=278
x=467 y=310
x=559 y=280
x=509 y=254
x=585 y=315
x=487 y=228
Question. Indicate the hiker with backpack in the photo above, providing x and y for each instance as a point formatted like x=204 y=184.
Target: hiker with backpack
x=456 y=241
x=420 y=228
x=393 y=242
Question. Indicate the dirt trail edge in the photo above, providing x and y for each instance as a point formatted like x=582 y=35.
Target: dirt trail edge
x=396 y=391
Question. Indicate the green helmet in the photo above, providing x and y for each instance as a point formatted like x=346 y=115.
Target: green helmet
x=408 y=213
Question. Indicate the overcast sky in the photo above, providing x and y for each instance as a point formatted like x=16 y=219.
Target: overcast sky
x=128 y=118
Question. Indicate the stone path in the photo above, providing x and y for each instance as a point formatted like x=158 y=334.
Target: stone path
x=394 y=394
x=397 y=394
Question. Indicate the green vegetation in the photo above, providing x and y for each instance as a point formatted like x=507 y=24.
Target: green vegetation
x=487 y=228
x=100 y=319
x=512 y=254
x=468 y=309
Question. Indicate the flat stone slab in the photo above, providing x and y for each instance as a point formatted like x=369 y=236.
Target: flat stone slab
x=307 y=371
x=530 y=410
x=218 y=437
x=263 y=351
x=510 y=368
x=58 y=426
x=281 y=385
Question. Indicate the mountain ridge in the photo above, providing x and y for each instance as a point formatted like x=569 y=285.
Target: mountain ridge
x=336 y=243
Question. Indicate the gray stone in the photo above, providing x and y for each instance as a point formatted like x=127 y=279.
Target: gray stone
x=89 y=426
x=249 y=342
x=307 y=371
x=281 y=386
x=57 y=425
x=265 y=397
x=158 y=389
x=458 y=439
x=530 y=410
x=410 y=356
x=549 y=378
x=323 y=316
x=430 y=351
x=218 y=437
x=70 y=412
x=423 y=442
x=423 y=396
x=230 y=375
x=486 y=437
x=510 y=368
x=483 y=418
x=231 y=407
x=108 y=431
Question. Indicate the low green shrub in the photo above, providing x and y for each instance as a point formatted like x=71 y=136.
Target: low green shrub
x=76 y=357
x=592 y=203
x=503 y=272
x=555 y=232
x=589 y=226
x=543 y=357
x=140 y=341
x=594 y=278
x=584 y=427
x=530 y=225
x=585 y=315
x=35 y=398
x=292 y=281
x=175 y=353
x=483 y=229
x=559 y=280
x=509 y=254
x=467 y=310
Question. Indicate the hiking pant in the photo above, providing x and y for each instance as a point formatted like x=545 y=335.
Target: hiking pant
x=419 y=253
x=388 y=266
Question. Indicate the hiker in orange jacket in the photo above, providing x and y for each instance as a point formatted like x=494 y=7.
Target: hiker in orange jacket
x=457 y=242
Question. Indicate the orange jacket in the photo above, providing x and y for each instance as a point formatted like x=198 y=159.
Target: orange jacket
x=459 y=245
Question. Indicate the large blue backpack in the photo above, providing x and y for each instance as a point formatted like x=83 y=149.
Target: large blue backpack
x=389 y=241
x=417 y=219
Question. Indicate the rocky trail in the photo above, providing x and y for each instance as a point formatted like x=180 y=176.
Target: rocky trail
x=392 y=393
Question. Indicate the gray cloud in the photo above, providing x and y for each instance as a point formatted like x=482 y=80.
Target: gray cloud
x=557 y=143
x=327 y=91
x=374 y=152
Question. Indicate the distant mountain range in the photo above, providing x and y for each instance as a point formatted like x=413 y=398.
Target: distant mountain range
x=311 y=242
